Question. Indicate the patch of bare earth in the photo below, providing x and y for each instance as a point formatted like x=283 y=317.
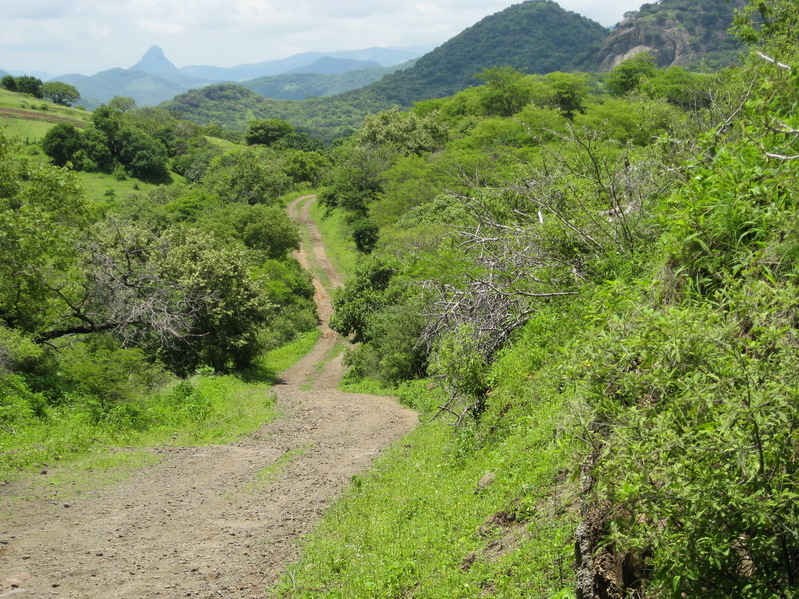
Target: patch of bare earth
x=202 y=523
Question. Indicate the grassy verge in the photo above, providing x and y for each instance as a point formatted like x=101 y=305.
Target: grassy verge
x=199 y=411
x=338 y=240
x=483 y=509
x=448 y=513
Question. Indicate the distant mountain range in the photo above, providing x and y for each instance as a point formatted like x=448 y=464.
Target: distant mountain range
x=537 y=36
x=155 y=79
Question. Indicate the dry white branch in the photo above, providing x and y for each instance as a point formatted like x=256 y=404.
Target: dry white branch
x=768 y=58
x=781 y=157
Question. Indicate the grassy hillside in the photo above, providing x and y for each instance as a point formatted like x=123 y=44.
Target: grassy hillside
x=28 y=118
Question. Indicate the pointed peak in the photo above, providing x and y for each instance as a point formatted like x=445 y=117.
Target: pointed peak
x=154 y=61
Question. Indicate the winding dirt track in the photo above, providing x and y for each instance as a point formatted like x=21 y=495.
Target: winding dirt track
x=191 y=526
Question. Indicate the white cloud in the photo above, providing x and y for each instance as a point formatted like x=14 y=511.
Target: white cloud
x=87 y=36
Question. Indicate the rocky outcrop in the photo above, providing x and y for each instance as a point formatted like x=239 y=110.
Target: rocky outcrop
x=674 y=32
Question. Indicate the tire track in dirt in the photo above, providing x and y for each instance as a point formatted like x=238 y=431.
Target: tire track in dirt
x=198 y=524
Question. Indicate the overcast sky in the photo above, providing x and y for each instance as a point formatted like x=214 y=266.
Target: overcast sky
x=88 y=36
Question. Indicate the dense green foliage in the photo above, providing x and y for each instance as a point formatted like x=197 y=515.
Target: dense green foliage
x=105 y=307
x=621 y=276
x=586 y=284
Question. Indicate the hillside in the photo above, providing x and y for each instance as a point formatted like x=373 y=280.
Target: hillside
x=675 y=32
x=305 y=83
x=155 y=79
x=537 y=36
x=148 y=89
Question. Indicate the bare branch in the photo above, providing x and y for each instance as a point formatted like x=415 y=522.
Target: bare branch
x=768 y=58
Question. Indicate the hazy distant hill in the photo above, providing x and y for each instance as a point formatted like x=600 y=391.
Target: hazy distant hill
x=327 y=65
x=155 y=79
x=382 y=56
x=146 y=88
x=675 y=32
x=302 y=85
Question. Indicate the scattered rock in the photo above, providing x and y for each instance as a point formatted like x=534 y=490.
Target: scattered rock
x=484 y=482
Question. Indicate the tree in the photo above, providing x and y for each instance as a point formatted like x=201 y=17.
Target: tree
x=267 y=132
x=29 y=85
x=62 y=143
x=774 y=23
x=246 y=176
x=143 y=156
x=506 y=92
x=9 y=82
x=60 y=93
x=629 y=74
x=569 y=91
x=405 y=131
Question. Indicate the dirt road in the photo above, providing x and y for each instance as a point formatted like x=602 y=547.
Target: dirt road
x=193 y=525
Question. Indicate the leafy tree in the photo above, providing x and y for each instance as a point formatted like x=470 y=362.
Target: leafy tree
x=267 y=230
x=629 y=74
x=569 y=91
x=405 y=131
x=142 y=155
x=506 y=91
x=770 y=22
x=26 y=84
x=267 y=132
x=306 y=167
x=246 y=175
x=60 y=93
x=61 y=143
x=9 y=82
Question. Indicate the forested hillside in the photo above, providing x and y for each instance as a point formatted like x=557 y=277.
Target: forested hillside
x=537 y=36
x=591 y=298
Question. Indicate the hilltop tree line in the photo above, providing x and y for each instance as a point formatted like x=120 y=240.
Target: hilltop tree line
x=54 y=91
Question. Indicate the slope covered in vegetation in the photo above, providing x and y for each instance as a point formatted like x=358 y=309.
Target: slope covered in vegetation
x=110 y=307
x=601 y=302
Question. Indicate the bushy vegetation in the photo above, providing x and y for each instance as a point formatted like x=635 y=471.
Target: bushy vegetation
x=608 y=289
x=109 y=309
x=585 y=284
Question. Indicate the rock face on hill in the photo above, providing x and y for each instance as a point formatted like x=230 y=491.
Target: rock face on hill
x=675 y=32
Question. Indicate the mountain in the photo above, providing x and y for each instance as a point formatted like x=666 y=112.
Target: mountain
x=155 y=62
x=382 y=56
x=327 y=65
x=155 y=79
x=146 y=88
x=302 y=85
x=675 y=32
x=537 y=36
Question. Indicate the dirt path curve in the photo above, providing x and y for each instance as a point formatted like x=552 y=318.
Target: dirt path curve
x=192 y=526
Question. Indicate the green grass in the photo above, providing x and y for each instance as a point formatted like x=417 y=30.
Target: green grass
x=203 y=410
x=338 y=240
x=420 y=524
x=38 y=118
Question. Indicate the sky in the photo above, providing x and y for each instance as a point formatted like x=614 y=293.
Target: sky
x=87 y=36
